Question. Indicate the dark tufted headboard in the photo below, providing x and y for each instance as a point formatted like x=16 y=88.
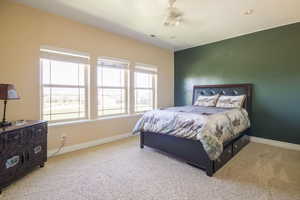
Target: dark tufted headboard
x=229 y=89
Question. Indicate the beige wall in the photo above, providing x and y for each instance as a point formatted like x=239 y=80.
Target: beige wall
x=24 y=29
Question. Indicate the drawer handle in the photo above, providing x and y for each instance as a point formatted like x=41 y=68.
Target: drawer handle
x=13 y=137
x=37 y=149
x=11 y=162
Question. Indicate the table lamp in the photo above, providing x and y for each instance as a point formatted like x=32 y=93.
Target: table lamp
x=7 y=92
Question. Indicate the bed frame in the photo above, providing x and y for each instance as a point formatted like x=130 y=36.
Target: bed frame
x=192 y=151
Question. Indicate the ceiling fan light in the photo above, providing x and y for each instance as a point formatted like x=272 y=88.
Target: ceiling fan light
x=166 y=23
x=172 y=22
x=177 y=23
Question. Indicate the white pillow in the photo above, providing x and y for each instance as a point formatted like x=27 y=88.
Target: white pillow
x=231 y=101
x=209 y=101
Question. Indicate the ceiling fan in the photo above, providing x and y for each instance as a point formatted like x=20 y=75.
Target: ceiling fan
x=174 y=15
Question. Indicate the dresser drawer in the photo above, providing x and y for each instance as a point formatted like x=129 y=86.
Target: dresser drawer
x=12 y=140
x=240 y=143
x=224 y=157
x=28 y=134
x=39 y=132
x=2 y=144
x=37 y=152
x=10 y=162
x=6 y=177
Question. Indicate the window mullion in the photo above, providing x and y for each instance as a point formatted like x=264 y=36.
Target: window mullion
x=78 y=90
x=107 y=87
x=102 y=92
x=41 y=89
x=50 y=81
x=62 y=86
x=153 y=91
x=142 y=88
x=86 y=90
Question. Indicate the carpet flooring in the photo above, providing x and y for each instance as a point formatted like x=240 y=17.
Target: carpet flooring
x=122 y=171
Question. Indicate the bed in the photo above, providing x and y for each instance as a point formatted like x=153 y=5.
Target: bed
x=195 y=152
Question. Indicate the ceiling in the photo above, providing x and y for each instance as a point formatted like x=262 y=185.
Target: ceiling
x=204 y=21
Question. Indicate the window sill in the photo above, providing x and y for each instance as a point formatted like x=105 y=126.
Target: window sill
x=70 y=123
x=118 y=116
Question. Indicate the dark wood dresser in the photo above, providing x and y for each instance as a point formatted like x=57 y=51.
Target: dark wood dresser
x=22 y=147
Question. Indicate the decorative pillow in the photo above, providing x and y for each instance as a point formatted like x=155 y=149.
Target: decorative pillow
x=231 y=101
x=207 y=100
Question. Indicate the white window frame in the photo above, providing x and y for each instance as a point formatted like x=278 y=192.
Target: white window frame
x=126 y=87
x=147 y=69
x=70 y=56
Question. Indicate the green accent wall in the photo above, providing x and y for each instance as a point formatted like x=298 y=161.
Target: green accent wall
x=268 y=59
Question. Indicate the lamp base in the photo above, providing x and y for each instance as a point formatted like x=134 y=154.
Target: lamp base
x=4 y=124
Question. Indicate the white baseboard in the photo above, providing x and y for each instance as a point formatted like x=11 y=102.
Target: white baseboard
x=93 y=143
x=76 y=147
x=284 y=145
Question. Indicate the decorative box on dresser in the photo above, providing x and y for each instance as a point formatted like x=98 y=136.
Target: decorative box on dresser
x=22 y=148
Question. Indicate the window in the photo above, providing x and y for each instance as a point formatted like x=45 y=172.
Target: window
x=120 y=88
x=64 y=86
x=112 y=87
x=144 y=88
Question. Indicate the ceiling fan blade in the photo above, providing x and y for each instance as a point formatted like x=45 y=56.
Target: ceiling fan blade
x=174 y=15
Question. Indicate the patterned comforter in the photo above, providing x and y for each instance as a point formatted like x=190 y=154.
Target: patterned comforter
x=210 y=125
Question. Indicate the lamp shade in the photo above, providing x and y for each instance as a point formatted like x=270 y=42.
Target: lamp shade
x=8 y=92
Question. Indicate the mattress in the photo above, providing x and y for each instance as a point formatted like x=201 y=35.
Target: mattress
x=210 y=125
